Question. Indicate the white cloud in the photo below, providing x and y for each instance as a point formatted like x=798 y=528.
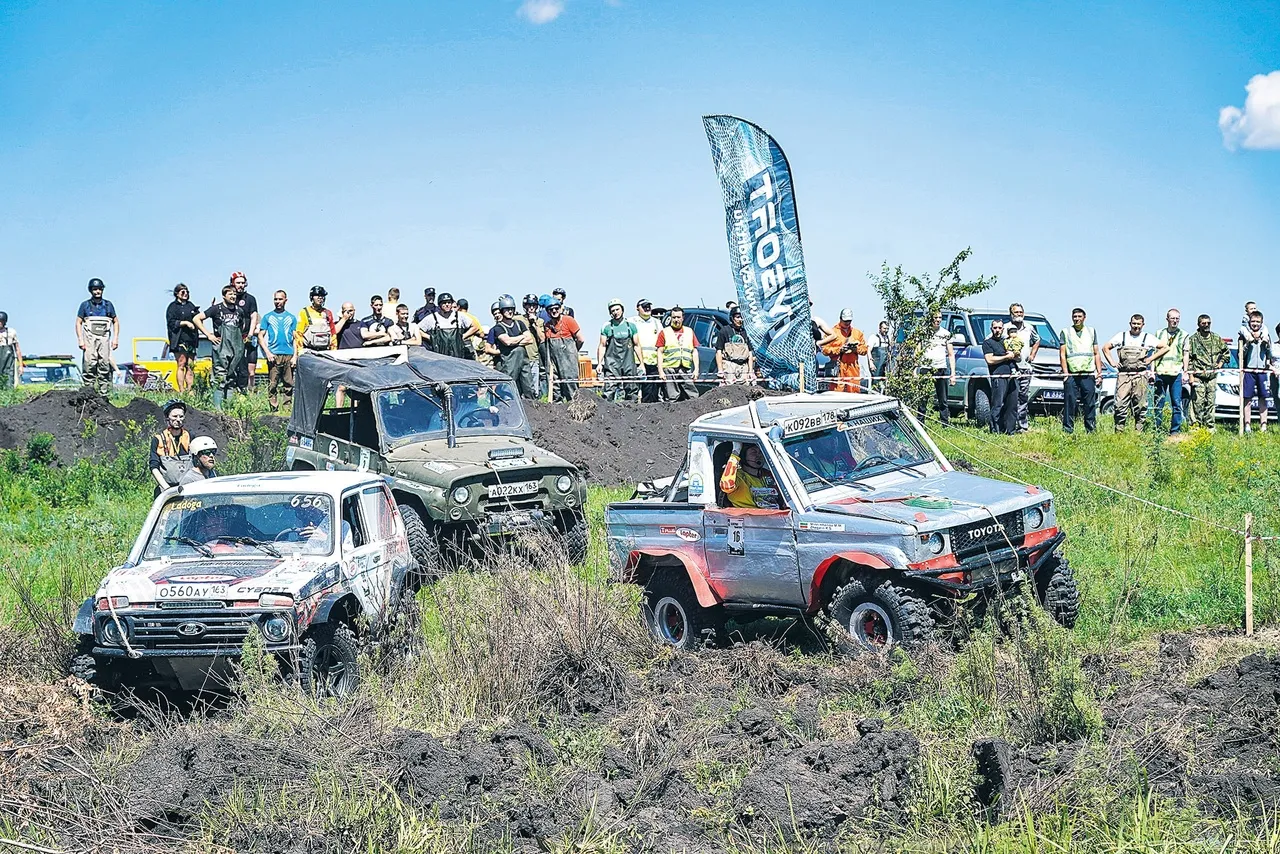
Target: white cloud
x=540 y=11
x=1258 y=124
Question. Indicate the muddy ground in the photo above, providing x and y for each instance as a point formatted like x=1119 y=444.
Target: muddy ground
x=692 y=753
x=84 y=424
x=621 y=444
x=615 y=444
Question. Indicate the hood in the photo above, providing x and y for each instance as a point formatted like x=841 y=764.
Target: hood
x=199 y=577
x=469 y=457
x=970 y=498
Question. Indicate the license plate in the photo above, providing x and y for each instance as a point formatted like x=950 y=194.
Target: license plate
x=191 y=591
x=509 y=490
x=1052 y=394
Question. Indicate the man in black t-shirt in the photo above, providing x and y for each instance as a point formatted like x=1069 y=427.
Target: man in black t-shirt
x=248 y=302
x=375 y=330
x=349 y=328
x=1004 y=388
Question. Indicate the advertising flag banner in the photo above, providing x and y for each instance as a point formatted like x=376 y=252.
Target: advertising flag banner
x=764 y=248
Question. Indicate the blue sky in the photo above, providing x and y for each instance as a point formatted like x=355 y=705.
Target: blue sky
x=467 y=146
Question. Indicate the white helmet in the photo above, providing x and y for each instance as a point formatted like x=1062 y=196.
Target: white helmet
x=200 y=444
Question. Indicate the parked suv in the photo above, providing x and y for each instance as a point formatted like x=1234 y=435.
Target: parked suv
x=454 y=440
x=970 y=390
x=304 y=561
x=860 y=517
x=708 y=324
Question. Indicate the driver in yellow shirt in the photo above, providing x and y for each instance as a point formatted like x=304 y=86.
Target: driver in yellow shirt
x=747 y=483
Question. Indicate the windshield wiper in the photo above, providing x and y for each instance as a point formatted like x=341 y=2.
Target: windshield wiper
x=193 y=543
x=250 y=541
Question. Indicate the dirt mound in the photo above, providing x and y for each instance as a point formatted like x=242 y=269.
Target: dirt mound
x=620 y=444
x=84 y=424
x=817 y=788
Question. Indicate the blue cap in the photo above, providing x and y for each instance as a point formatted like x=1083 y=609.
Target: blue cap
x=544 y=300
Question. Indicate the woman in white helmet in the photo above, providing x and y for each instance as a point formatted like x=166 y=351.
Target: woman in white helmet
x=204 y=452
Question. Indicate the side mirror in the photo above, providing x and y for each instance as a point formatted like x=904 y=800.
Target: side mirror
x=959 y=338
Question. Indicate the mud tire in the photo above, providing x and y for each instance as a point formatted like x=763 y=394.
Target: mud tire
x=1057 y=592
x=423 y=547
x=864 y=613
x=99 y=674
x=327 y=648
x=575 y=541
x=671 y=611
x=982 y=406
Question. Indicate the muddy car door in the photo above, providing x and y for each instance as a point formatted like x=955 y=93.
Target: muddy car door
x=362 y=555
x=379 y=510
x=751 y=551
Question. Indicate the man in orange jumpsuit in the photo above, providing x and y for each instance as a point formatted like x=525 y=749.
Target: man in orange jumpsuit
x=847 y=345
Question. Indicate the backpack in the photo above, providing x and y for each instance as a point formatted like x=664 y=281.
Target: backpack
x=318 y=336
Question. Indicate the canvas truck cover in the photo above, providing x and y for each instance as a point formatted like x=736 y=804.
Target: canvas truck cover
x=400 y=367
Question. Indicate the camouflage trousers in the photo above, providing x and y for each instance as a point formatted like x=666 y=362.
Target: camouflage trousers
x=1203 y=393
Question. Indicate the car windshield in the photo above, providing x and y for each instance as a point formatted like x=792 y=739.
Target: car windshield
x=50 y=374
x=861 y=448
x=1048 y=338
x=269 y=524
x=477 y=408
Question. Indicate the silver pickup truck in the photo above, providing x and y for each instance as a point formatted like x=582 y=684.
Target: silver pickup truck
x=853 y=511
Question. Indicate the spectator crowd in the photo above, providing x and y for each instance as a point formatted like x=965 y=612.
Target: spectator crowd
x=653 y=354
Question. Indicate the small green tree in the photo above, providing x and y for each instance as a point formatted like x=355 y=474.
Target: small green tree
x=910 y=302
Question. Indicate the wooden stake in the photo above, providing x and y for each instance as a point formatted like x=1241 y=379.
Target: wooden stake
x=1241 y=395
x=802 y=388
x=1248 y=575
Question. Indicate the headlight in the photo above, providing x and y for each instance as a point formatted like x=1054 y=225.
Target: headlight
x=275 y=600
x=276 y=629
x=934 y=542
x=111 y=635
x=1034 y=518
x=461 y=495
x=564 y=483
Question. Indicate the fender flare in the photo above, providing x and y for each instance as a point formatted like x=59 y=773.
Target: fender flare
x=83 y=623
x=860 y=558
x=697 y=575
x=326 y=604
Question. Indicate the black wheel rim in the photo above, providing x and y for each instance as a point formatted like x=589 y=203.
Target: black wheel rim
x=329 y=673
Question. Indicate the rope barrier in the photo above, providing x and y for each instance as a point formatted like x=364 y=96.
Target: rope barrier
x=933 y=419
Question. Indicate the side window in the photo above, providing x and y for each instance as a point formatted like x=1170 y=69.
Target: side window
x=704 y=329
x=377 y=512
x=353 y=521
x=957 y=326
x=760 y=492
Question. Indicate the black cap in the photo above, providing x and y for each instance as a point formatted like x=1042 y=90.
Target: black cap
x=96 y=283
x=319 y=291
x=172 y=405
x=644 y=302
x=558 y=292
x=428 y=292
x=445 y=297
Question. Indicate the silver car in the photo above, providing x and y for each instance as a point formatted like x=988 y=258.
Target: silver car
x=859 y=515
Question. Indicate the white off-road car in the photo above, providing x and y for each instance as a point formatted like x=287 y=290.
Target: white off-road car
x=305 y=560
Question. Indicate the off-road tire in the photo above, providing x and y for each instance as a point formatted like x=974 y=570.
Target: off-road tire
x=982 y=406
x=1057 y=592
x=864 y=611
x=86 y=666
x=423 y=547
x=671 y=611
x=575 y=540
x=323 y=648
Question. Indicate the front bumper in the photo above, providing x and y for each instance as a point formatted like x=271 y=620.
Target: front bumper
x=173 y=633
x=997 y=569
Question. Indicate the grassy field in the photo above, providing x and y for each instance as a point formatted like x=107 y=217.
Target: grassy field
x=533 y=646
